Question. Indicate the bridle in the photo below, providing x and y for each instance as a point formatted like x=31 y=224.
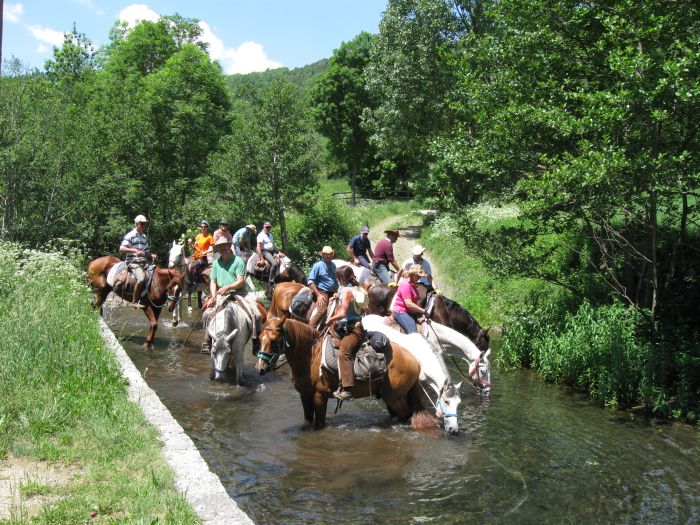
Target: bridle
x=168 y=297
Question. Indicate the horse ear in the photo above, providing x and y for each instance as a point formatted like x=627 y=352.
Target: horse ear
x=230 y=337
x=458 y=385
x=174 y=244
x=487 y=354
x=487 y=330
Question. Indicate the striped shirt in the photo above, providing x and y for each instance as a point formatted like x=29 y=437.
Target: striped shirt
x=138 y=241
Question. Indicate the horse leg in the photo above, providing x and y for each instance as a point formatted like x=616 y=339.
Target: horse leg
x=100 y=298
x=152 y=315
x=307 y=404
x=320 y=406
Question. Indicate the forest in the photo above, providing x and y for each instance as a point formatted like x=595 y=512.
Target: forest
x=583 y=118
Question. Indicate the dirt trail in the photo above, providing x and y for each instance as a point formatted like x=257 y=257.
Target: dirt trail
x=409 y=226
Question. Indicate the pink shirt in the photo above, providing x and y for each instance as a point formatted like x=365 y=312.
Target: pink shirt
x=405 y=291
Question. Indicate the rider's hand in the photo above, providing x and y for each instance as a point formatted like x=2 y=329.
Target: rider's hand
x=207 y=303
x=153 y=256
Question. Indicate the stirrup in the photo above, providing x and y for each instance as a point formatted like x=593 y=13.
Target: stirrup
x=343 y=395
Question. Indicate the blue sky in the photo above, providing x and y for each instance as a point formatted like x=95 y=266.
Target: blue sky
x=243 y=35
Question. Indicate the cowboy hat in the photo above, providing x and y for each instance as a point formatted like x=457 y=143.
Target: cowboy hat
x=327 y=249
x=394 y=231
x=140 y=218
x=417 y=249
x=221 y=240
x=251 y=227
x=417 y=269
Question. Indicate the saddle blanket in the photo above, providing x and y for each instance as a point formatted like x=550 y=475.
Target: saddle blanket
x=119 y=272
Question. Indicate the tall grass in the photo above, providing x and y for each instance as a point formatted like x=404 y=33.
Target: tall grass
x=62 y=399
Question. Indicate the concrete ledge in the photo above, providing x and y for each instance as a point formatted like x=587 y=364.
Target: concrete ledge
x=201 y=487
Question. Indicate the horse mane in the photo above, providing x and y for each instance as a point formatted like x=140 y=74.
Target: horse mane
x=295 y=274
x=300 y=332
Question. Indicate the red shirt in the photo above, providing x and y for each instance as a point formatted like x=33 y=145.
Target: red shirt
x=384 y=251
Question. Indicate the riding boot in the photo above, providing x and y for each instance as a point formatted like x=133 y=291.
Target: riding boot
x=137 y=296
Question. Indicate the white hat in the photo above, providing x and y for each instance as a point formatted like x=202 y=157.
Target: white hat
x=417 y=249
x=140 y=218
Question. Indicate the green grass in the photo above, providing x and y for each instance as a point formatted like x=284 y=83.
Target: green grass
x=337 y=185
x=64 y=401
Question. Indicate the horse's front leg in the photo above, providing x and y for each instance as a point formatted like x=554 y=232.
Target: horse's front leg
x=177 y=314
x=152 y=315
x=320 y=406
x=307 y=403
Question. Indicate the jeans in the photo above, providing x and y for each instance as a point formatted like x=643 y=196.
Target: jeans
x=364 y=261
x=274 y=264
x=406 y=321
x=382 y=271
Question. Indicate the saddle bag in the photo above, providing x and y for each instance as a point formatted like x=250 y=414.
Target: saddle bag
x=368 y=363
x=301 y=303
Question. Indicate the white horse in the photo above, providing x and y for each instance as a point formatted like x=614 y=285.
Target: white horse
x=178 y=261
x=362 y=274
x=433 y=371
x=230 y=330
x=446 y=338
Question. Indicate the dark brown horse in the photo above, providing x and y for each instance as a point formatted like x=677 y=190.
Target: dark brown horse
x=444 y=311
x=164 y=290
x=302 y=346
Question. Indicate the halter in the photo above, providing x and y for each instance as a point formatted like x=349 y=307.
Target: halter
x=168 y=297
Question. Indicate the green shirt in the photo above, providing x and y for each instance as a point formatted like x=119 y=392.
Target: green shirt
x=225 y=273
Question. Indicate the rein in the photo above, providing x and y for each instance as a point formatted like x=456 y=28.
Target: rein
x=168 y=297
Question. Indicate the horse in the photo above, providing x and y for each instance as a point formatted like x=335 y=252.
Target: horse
x=295 y=300
x=433 y=371
x=362 y=274
x=441 y=309
x=302 y=346
x=446 y=339
x=230 y=329
x=288 y=271
x=178 y=261
x=164 y=289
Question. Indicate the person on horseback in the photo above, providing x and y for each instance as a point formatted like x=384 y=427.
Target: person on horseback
x=135 y=246
x=243 y=239
x=227 y=281
x=359 y=246
x=268 y=252
x=384 y=256
x=406 y=311
x=347 y=322
x=324 y=283
x=223 y=231
x=425 y=283
x=202 y=242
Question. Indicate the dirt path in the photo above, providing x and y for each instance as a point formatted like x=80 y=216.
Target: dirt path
x=410 y=226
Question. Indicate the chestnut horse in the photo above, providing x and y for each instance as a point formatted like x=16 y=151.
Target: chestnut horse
x=443 y=310
x=302 y=346
x=164 y=290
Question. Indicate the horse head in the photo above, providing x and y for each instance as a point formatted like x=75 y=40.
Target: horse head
x=480 y=372
x=174 y=291
x=483 y=341
x=176 y=257
x=222 y=331
x=447 y=405
x=271 y=345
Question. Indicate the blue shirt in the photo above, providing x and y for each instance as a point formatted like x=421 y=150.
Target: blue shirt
x=242 y=235
x=136 y=240
x=359 y=245
x=323 y=275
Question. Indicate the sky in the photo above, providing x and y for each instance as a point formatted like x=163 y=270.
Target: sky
x=243 y=35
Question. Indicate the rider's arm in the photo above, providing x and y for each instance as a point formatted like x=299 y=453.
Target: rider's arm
x=259 y=248
x=395 y=265
x=212 y=287
x=413 y=307
x=126 y=249
x=342 y=309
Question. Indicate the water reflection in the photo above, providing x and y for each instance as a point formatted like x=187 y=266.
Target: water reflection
x=533 y=453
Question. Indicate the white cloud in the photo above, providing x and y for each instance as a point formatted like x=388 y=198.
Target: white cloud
x=90 y=5
x=12 y=12
x=46 y=35
x=135 y=13
x=248 y=57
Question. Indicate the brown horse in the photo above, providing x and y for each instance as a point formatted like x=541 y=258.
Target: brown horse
x=164 y=290
x=444 y=311
x=302 y=346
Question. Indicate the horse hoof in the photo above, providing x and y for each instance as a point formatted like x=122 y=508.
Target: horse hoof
x=175 y=323
x=189 y=309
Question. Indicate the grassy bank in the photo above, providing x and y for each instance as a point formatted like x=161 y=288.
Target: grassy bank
x=63 y=401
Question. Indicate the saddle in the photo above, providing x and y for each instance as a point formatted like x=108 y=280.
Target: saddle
x=369 y=360
x=201 y=275
x=123 y=281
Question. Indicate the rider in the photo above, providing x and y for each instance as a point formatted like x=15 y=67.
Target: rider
x=406 y=311
x=135 y=246
x=425 y=283
x=323 y=282
x=384 y=255
x=267 y=251
x=227 y=279
x=243 y=239
x=202 y=242
x=359 y=246
x=223 y=231
x=348 y=325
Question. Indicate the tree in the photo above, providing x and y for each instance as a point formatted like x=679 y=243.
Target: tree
x=340 y=99
x=265 y=163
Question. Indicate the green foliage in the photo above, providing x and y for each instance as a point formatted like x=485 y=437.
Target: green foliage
x=302 y=77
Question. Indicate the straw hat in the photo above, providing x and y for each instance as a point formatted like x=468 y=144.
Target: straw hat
x=415 y=269
x=394 y=231
x=221 y=240
x=327 y=249
x=251 y=227
x=417 y=250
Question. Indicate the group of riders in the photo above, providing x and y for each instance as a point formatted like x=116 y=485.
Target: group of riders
x=414 y=280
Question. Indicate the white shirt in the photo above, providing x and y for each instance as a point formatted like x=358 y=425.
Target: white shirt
x=423 y=264
x=265 y=239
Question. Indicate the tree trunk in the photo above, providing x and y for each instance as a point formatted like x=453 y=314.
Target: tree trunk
x=353 y=181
